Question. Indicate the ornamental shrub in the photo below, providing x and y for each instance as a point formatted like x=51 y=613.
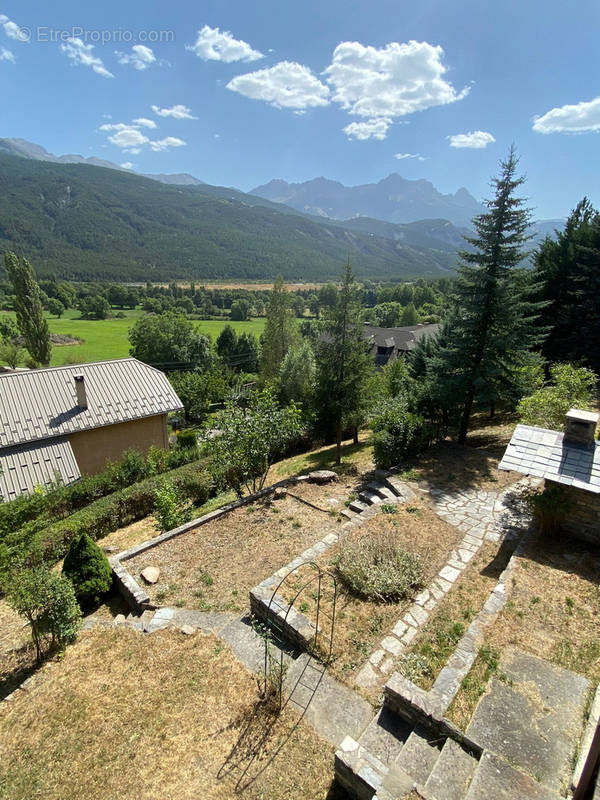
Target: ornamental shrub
x=378 y=567
x=398 y=433
x=88 y=569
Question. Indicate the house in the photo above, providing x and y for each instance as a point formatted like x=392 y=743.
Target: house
x=571 y=459
x=386 y=344
x=68 y=421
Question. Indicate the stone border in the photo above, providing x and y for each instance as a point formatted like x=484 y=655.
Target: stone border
x=134 y=594
x=586 y=740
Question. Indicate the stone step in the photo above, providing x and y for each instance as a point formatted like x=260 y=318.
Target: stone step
x=495 y=779
x=345 y=512
x=377 y=488
x=370 y=498
x=452 y=773
x=420 y=754
x=385 y=735
x=358 y=506
x=399 y=488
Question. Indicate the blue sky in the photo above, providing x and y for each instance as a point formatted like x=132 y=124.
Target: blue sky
x=238 y=93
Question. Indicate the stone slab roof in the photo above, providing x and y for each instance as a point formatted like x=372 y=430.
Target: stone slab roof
x=27 y=466
x=42 y=403
x=544 y=454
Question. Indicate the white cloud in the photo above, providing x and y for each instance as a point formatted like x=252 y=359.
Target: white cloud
x=130 y=139
x=215 y=45
x=177 y=112
x=7 y=55
x=140 y=57
x=579 y=118
x=476 y=140
x=372 y=129
x=81 y=53
x=166 y=143
x=402 y=156
x=12 y=30
x=285 y=85
x=127 y=165
x=389 y=82
x=144 y=122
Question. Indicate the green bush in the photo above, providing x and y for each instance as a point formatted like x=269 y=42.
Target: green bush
x=378 y=568
x=87 y=568
x=187 y=438
x=167 y=507
x=398 y=433
x=47 y=601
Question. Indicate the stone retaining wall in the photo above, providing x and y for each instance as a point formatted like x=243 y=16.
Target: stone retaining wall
x=583 y=519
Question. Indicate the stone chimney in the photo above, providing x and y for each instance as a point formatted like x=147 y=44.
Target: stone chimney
x=580 y=427
x=81 y=393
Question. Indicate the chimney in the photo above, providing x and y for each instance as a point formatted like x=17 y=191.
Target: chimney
x=580 y=427
x=81 y=393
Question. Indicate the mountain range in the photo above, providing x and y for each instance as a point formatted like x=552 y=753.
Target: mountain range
x=86 y=218
x=393 y=199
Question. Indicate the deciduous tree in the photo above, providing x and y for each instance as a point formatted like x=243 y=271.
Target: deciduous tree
x=28 y=308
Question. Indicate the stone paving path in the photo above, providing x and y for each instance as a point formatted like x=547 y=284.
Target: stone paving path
x=481 y=516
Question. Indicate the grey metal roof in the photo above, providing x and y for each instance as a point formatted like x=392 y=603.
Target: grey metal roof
x=42 y=403
x=403 y=338
x=26 y=466
x=545 y=454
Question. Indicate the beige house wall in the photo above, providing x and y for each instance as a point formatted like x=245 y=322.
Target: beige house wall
x=94 y=448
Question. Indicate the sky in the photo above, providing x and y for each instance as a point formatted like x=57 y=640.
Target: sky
x=238 y=93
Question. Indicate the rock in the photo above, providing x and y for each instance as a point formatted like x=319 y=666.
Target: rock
x=279 y=493
x=150 y=574
x=323 y=476
x=110 y=548
x=188 y=630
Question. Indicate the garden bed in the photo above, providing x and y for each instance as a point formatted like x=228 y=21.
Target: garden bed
x=359 y=622
x=125 y=715
x=213 y=568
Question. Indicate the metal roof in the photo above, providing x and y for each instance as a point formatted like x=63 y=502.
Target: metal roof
x=26 y=466
x=404 y=338
x=42 y=403
x=545 y=454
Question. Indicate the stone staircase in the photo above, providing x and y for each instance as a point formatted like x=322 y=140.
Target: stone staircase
x=394 y=757
x=385 y=489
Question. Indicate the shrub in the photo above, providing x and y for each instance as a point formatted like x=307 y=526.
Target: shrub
x=167 y=511
x=47 y=601
x=398 y=433
x=88 y=569
x=187 y=438
x=549 y=507
x=571 y=387
x=378 y=567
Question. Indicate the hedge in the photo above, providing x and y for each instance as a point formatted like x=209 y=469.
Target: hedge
x=60 y=501
x=36 y=542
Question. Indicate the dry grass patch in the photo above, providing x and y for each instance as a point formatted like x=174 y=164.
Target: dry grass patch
x=554 y=605
x=361 y=623
x=17 y=654
x=437 y=639
x=357 y=459
x=214 y=567
x=126 y=715
x=453 y=467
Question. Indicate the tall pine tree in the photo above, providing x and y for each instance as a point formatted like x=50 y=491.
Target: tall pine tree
x=343 y=362
x=491 y=329
x=28 y=308
x=280 y=333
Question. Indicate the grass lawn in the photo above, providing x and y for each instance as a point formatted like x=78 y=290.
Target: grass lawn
x=359 y=622
x=125 y=715
x=214 y=567
x=107 y=338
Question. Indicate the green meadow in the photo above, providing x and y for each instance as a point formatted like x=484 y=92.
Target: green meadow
x=104 y=339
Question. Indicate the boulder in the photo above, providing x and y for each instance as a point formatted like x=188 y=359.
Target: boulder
x=188 y=630
x=323 y=476
x=150 y=574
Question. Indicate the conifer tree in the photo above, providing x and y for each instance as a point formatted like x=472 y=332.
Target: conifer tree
x=28 y=308
x=280 y=333
x=491 y=328
x=343 y=362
